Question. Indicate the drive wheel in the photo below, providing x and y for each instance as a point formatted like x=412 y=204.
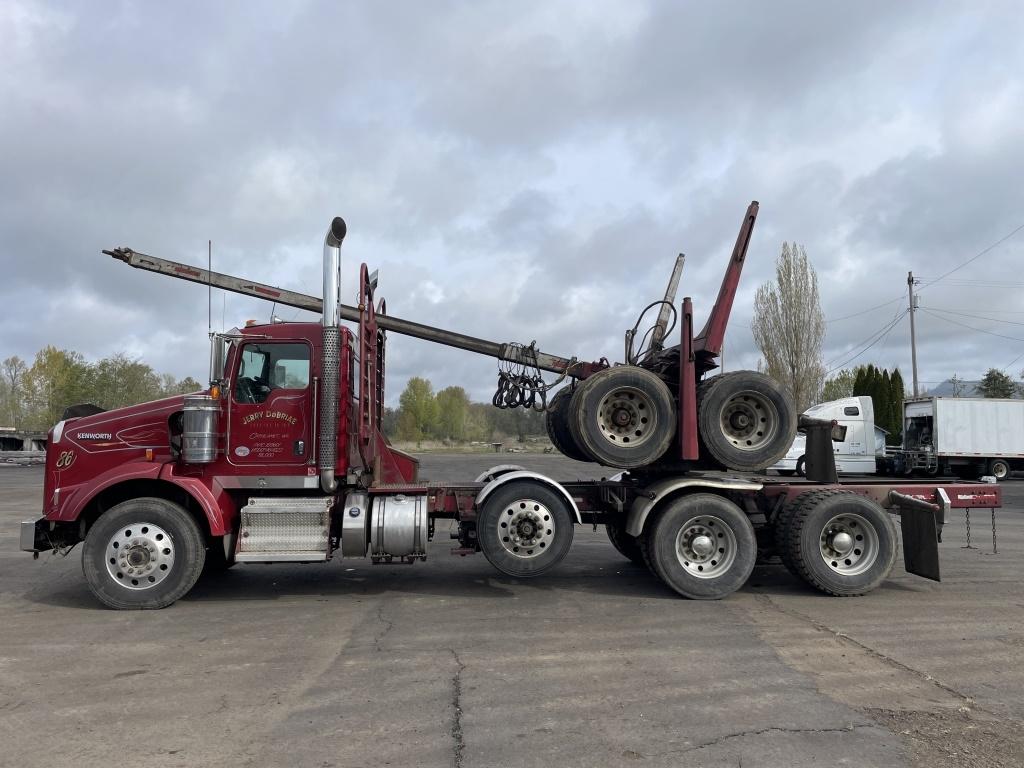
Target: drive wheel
x=746 y=421
x=143 y=553
x=702 y=546
x=840 y=543
x=626 y=545
x=999 y=469
x=525 y=528
x=623 y=417
x=556 y=420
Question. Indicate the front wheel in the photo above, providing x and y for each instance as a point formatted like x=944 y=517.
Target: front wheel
x=143 y=553
x=701 y=545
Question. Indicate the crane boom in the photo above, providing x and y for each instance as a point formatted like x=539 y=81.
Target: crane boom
x=514 y=353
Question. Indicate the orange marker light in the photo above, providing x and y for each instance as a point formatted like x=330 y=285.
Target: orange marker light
x=149 y=454
x=215 y=392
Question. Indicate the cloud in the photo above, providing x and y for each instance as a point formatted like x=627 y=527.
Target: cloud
x=516 y=172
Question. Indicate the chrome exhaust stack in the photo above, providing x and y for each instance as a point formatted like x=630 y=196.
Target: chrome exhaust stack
x=331 y=355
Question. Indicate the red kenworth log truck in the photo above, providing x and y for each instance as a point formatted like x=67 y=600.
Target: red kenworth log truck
x=282 y=459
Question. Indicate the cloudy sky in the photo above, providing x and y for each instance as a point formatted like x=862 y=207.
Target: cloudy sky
x=517 y=171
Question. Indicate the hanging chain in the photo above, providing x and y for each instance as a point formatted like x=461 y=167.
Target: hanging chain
x=967 y=522
x=995 y=548
x=520 y=384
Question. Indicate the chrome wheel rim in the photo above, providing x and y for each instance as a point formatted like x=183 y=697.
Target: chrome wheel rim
x=139 y=556
x=627 y=417
x=706 y=547
x=526 y=528
x=848 y=544
x=749 y=420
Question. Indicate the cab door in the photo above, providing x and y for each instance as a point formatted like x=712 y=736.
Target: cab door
x=270 y=418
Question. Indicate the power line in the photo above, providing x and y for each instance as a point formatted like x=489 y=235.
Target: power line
x=974 y=317
x=864 y=312
x=870 y=341
x=977 y=256
x=965 y=325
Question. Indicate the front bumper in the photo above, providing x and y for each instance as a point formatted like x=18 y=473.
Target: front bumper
x=35 y=535
x=44 y=535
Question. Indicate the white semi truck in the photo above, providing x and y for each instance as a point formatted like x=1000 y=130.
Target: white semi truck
x=968 y=436
x=857 y=453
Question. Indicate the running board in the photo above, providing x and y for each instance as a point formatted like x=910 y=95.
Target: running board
x=285 y=530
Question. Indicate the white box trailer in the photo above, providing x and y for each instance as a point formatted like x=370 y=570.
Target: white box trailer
x=970 y=436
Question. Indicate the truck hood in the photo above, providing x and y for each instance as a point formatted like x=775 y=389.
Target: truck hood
x=136 y=426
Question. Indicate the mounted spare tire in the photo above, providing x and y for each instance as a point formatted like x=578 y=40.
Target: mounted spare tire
x=623 y=417
x=745 y=420
x=556 y=420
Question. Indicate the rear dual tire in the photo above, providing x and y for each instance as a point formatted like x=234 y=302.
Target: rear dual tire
x=525 y=528
x=839 y=543
x=701 y=545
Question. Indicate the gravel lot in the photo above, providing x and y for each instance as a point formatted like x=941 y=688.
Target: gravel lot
x=448 y=663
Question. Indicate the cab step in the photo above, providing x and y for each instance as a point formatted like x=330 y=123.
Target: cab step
x=284 y=530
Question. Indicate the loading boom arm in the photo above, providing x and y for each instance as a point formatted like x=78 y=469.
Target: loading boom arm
x=513 y=353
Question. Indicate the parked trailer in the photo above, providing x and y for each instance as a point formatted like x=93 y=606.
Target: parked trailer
x=282 y=460
x=967 y=436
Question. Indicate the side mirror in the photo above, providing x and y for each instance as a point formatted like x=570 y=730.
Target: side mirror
x=218 y=355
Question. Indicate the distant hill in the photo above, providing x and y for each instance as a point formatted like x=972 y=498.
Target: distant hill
x=967 y=389
x=945 y=389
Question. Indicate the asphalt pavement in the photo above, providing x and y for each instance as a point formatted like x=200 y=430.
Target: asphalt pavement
x=449 y=663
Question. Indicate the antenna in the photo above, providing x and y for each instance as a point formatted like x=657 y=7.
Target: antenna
x=209 y=286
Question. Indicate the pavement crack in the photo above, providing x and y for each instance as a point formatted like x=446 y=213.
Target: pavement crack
x=459 y=747
x=758 y=732
x=889 y=660
x=388 y=626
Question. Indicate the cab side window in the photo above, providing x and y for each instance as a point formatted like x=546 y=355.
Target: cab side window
x=265 y=367
x=851 y=410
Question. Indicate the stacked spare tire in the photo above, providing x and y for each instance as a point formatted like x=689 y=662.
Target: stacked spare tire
x=627 y=417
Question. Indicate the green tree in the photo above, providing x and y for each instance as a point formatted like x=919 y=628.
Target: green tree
x=58 y=378
x=117 y=381
x=789 y=326
x=995 y=383
x=839 y=386
x=897 y=391
x=417 y=410
x=452 y=407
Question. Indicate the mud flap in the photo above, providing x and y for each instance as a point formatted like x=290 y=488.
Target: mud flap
x=920 y=542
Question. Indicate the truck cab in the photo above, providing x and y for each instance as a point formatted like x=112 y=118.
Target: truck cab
x=854 y=455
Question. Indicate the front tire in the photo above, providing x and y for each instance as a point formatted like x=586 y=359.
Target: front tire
x=144 y=553
x=701 y=545
x=525 y=528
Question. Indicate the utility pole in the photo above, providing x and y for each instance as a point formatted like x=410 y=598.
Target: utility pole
x=913 y=338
